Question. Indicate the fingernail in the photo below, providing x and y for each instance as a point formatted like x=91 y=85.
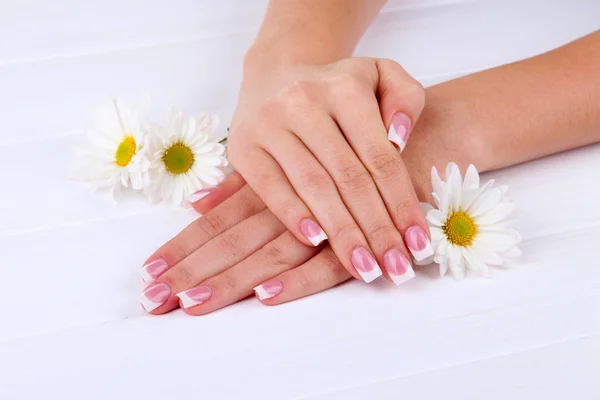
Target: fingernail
x=312 y=231
x=153 y=269
x=200 y=194
x=268 y=289
x=418 y=243
x=155 y=296
x=365 y=264
x=195 y=296
x=398 y=266
x=400 y=130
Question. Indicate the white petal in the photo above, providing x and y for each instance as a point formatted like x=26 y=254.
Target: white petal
x=497 y=214
x=436 y=234
x=471 y=178
x=436 y=181
x=485 y=203
x=492 y=242
x=442 y=248
x=136 y=180
x=474 y=263
x=443 y=267
x=494 y=259
x=455 y=261
x=436 y=217
x=512 y=252
x=436 y=198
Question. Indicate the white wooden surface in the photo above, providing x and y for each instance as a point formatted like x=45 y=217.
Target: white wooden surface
x=70 y=326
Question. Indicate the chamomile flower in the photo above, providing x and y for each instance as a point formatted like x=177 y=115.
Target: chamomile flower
x=471 y=226
x=115 y=156
x=186 y=157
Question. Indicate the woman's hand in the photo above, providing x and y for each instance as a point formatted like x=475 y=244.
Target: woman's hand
x=312 y=142
x=234 y=248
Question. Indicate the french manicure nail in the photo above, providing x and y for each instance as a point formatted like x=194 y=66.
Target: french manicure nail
x=312 y=231
x=200 y=194
x=398 y=266
x=155 y=296
x=269 y=289
x=418 y=243
x=365 y=264
x=153 y=269
x=399 y=130
x=195 y=296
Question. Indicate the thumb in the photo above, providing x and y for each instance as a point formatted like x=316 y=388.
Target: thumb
x=401 y=100
x=206 y=199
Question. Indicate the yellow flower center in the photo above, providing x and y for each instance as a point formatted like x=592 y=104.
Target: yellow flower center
x=178 y=158
x=460 y=229
x=125 y=151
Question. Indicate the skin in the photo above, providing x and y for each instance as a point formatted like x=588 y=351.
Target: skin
x=493 y=119
x=309 y=134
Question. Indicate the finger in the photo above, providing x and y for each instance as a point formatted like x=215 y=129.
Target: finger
x=365 y=132
x=320 y=273
x=401 y=100
x=219 y=254
x=244 y=204
x=237 y=282
x=357 y=189
x=206 y=199
x=316 y=188
x=266 y=177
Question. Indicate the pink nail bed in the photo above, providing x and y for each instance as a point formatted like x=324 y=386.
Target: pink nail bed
x=269 y=289
x=398 y=266
x=400 y=130
x=195 y=296
x=418 y=243
x=153 y=269
x=312 y=231
x=200 y=194
x=155 y=296
x=365 y=264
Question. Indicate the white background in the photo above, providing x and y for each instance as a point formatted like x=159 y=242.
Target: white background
x=70 y=325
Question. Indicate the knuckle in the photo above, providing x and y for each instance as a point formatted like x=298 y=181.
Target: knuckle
x=384 y=229
x=211 y=225
x=318 y=180
x=344 y=230
x=293 y=100
x=384 y=164
x=354 y=178
x=229 y=243
x=346 y=86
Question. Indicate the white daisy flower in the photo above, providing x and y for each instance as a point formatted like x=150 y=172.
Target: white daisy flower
x=471 y=226
x=115 y=157
x=186 y=157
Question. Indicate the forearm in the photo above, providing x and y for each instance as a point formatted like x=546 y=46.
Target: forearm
x=510 y=114
x=532 y=108
x=310 y=31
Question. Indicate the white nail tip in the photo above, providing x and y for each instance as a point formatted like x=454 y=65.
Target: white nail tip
x=394 y=137
x=194 y=197
x=146 y=277
x=318 y=239
x=371 y=275
x=420 y=255
x=262 y=293
x=187 y=301
x=405 y=277
x=148 y=304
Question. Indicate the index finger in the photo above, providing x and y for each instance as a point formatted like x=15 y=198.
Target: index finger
x=235 y=209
